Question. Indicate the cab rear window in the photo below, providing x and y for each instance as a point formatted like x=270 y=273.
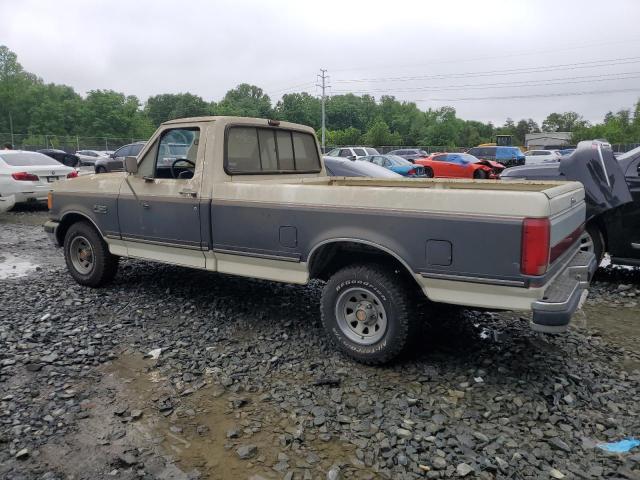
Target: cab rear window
x=256 y=150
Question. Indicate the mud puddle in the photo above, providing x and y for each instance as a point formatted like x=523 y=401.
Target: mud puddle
x=202 y=429
x=12 y=266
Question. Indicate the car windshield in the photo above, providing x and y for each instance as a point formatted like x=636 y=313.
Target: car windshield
x=630 y=153
x=25 y=159
x=397 y=161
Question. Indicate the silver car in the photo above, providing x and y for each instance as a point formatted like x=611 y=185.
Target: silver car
x=89 y=157
x=115 y=161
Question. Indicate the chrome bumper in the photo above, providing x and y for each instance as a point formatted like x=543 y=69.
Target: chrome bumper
x=565 y=295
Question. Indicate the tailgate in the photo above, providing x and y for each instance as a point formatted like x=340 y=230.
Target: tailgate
x=567 y=216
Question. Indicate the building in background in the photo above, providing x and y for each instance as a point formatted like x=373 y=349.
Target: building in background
x=547 y=140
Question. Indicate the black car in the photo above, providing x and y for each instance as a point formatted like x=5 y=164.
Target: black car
x=68 y=159
x=612 y=195
x=410 y=154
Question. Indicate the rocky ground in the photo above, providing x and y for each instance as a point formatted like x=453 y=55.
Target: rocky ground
x=173 y=373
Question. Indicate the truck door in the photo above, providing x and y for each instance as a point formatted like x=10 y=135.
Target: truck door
x=158 y=207
x=624 y=224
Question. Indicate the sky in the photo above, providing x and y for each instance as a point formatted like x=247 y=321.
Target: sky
x=489 y=59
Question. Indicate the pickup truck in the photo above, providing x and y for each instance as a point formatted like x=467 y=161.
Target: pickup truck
x=251 y=197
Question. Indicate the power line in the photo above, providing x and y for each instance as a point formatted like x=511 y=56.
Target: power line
x=541 y=95
x=485 y=86
x=513 y=71
x=493 y=57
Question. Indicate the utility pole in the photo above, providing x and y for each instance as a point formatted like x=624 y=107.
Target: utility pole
x=323 y=77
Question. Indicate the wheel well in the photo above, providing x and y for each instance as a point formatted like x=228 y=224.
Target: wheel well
x=66 y=222
x=598 y=222
x=331 y=257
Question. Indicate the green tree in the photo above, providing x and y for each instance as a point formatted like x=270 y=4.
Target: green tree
x=300 y=108
x=160 y=108
x=379 y=134
x=246 y=100
x=563 y=122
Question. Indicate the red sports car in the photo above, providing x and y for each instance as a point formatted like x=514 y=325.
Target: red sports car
x=459 y=165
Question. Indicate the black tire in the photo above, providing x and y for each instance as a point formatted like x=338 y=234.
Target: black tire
x=593 y=241
x=480 y=175
x=392 y=292
x=101 y=267
x=101 y=170
x=428 y=172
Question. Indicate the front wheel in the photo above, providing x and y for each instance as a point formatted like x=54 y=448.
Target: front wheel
x=480 y=175
x=87 y=256
x=428 y=172
x=101 y=170
x=366 y=311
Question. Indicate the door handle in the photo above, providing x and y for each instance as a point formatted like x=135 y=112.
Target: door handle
x=188 y=193
x=145 y=205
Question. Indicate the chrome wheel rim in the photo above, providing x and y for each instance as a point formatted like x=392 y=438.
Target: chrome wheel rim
x=81 y=253
x=586 y=242
x=361 y=316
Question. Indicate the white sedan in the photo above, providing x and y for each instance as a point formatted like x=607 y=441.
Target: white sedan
x=540 y=156
x=28 y=176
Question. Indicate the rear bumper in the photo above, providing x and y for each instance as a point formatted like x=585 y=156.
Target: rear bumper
x=51 y=228
x=564 y=295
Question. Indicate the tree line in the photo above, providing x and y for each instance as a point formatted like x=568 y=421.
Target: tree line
x=29 y=105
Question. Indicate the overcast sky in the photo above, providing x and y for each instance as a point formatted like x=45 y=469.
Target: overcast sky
x=468 y=54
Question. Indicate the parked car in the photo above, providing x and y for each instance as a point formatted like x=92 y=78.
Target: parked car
x=532 y=157
x=341 y=167
x=352 y=153
x=612 y=194
x=459 y=165
x=29 y=176
x=259 y=204
x=411 y=154
x=115 y=161
x=566 y=151
x=89 y=157
x=68 y=159
x=396 y=164
x=507 y=156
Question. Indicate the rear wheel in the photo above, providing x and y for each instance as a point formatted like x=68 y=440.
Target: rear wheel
x=367 y=312
x=592 y=241
x=101 y=170
x=428 y=172
x=87 y=256
x=480 y=174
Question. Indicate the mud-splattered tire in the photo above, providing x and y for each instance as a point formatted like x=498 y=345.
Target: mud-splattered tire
x=101 y=170
x=480 y=175
x=428 y=172
x=87 y=256
x=368 y=313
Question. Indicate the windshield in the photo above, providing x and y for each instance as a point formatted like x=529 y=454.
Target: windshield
x=398 y=161
x=25 y=159
x=630 y=153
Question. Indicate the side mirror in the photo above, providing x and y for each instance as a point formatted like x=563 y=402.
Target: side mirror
x=131 y=165
x=352 y=157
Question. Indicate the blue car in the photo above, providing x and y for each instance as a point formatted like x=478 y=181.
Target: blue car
x=507 y=156
x=396 y=164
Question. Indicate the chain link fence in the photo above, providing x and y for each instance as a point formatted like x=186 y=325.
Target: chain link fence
x=68 y=143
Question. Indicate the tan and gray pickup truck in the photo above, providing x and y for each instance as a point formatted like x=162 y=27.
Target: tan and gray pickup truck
x=250 y=197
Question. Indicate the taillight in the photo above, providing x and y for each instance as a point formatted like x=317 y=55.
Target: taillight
x=535 y=246
x=50 y=200
x=72 y=174
x=25 y=177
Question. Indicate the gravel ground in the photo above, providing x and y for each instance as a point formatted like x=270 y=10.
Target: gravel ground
x=175 y=373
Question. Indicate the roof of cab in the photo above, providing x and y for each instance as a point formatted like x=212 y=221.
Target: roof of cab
x=240 y=120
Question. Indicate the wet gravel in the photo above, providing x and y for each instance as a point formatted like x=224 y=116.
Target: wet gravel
x=245 y=374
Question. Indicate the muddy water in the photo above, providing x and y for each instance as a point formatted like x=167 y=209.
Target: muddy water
x=194 y=435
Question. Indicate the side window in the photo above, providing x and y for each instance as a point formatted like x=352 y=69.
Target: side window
x=306 y=152
x=122 y=152
x=176 y=163
x=359 y=152
x=266 y=150
x=242 y=150
x=378 y=161
x=345 y=152
x=491 y=152
x=135 y=149
x=440 y=158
